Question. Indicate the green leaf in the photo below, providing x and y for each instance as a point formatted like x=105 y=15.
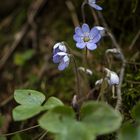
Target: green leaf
x=100 y=118
x=29 y=97
x=76 y=131
x=61 y=121
x=136 y=112
x=21 y=58
x=129 y=132
x=57 y=119
x=23 y=112
x=52 y=102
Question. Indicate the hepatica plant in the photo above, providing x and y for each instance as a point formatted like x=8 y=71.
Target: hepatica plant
x=83 y=120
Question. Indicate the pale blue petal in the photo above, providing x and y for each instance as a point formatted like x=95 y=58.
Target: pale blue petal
x=78 y=31
x=62 y=48
x=66 y=59
x=85 y=28
x=95 y=35
x=77 y=38
x=101 y=30
x=91 y=45
x=96 y=38
x=61 y=66
x=97 y=7
x=94 y=31
x=56 y=45
x=80 y=45
x=91 y=1
x=56 y=58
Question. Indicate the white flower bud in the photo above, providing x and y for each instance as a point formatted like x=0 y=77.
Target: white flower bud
x=115 y=52
x=88 y=71
x=114 y=79
x=111 y=77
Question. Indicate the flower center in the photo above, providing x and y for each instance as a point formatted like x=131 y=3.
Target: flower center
x=86 y=39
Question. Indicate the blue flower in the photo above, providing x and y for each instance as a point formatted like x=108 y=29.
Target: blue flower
x=93 y=4
x=60 y=55
x=86 y=37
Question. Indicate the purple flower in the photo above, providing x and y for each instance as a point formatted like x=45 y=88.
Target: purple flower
x=86 y=37
x=60 y=56
x=93 y=4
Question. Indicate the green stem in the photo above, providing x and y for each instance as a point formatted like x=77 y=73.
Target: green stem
x=77 y=76
x=82 y=10
x=23 y=130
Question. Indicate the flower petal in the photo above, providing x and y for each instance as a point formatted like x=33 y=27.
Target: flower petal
x=85 y=28
x=61 y=53
x=91 y=1
x=91 y=45
x=61 y=66
x=80 y=45
x=56 y=58
x=62 y=47
x=56 y=45
x=97 y=7
x=77 y=38
x=66 y=59
x=114 y=79
x=101 y=30
x=78 y=31
x=56 y=48
x=95 y=35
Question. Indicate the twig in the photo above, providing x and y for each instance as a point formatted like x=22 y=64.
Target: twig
x=6 y=101
x=132 y=63
x=122 y=70
x=21 y=34
x=18 y=38
x=43 y=136
x=133 y=82
x=23 y=130
x=73 y=13
x=134 y=40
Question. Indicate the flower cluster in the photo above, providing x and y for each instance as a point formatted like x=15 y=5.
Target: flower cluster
x=61 y=56
x=85 y=37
